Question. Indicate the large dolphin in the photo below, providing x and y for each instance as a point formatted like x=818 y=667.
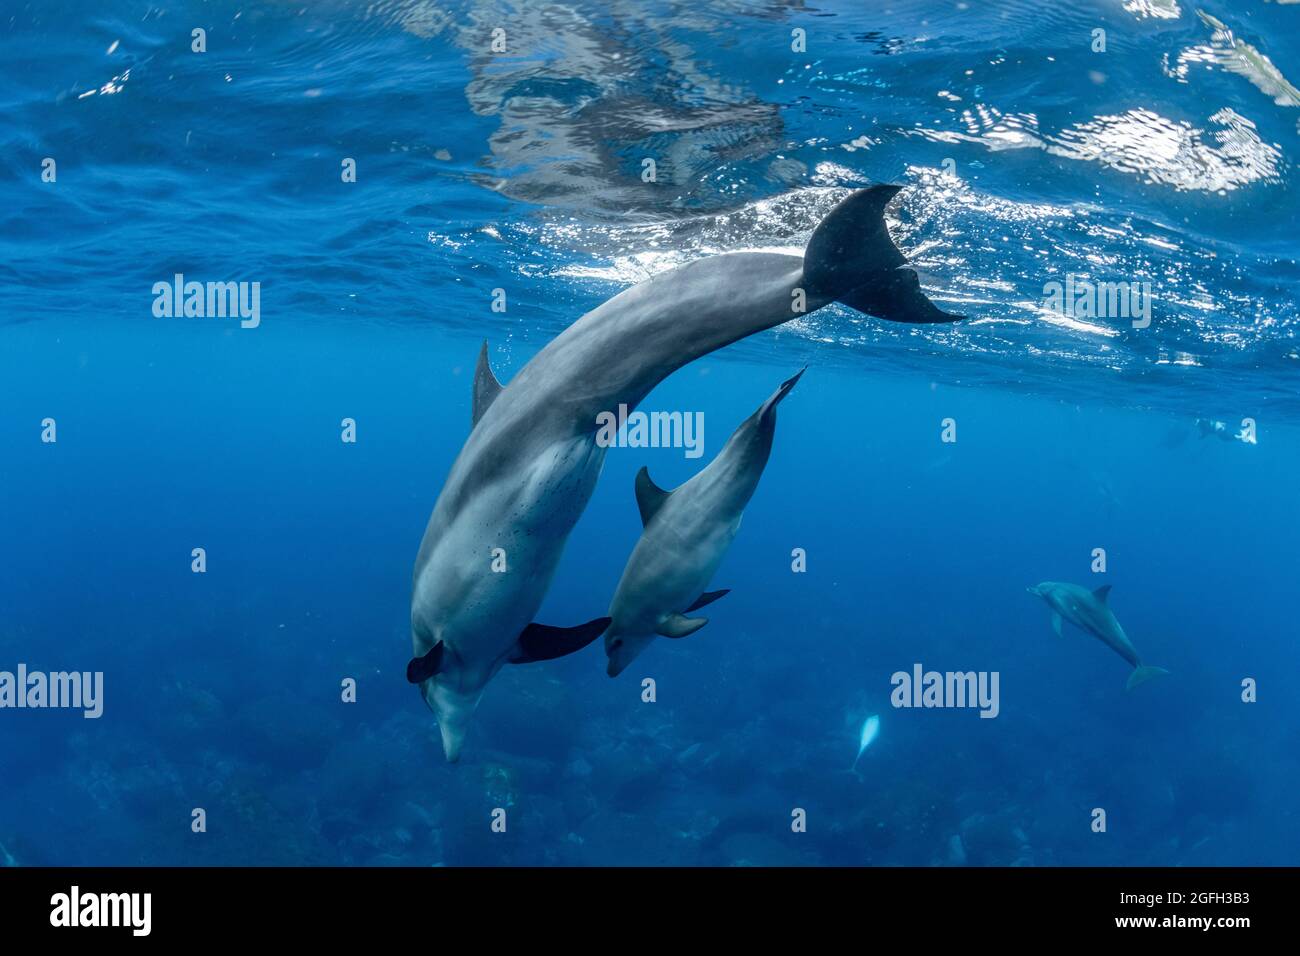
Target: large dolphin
x=687 y=533
x=531 y=461
x=1090 y=611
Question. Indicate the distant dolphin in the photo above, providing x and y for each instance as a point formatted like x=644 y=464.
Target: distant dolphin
x=1208 y=427
x=687 y=534
x=870 y=730
x=1090 y=611
x=530 y=464
x=1217 y=429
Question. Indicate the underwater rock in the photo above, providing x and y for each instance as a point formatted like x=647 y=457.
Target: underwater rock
x=358 y=773
x=956 y=851
x=499 y=787
x=187 y=711
x=760 y=849
x=735 y=767
x=550 y=716
x=127 y=778
x=630 y=839
x=991 y=839
x=285 y=734
x=578 y=768
x=268 y=828
x=630 y=774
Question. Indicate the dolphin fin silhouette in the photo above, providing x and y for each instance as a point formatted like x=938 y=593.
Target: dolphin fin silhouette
x=649 y=496
x=542 y=642
x=486 y=386
x=852 y=259
x=420 y=669
x=708 y=597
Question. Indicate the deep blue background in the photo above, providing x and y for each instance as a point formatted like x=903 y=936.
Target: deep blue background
x=521 y=172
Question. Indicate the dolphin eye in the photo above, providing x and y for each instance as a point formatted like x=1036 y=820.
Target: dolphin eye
x=618 y=642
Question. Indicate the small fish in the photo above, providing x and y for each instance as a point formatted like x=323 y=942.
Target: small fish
x=870 y=728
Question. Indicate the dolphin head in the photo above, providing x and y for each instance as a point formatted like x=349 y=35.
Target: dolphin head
x=622 y=649
x=453 y=709
x=619 y=655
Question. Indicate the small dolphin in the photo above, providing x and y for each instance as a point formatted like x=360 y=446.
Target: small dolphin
x=1213 y=428
x=530 y=464
x=1217 y=429
x=687 y=533
x=870 y=730
x=1090 y=611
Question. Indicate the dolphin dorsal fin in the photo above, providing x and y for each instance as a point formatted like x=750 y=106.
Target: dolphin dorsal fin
x=486 y=386
x=1102 y=593
x=649 y=496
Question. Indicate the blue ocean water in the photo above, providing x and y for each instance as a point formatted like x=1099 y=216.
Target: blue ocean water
x=1025 y=154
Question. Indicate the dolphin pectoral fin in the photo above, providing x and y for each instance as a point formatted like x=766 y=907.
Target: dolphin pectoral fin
x=708 y=597
x=679 y=625
x=1102 y=593
x=649 y=496
x=542 y=642
x=1143 y=673
x=486 y=386
x=1056 y=624
x=420 y=669
x=851 y=258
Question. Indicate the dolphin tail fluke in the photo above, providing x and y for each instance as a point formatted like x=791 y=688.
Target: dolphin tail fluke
x=1143 y=673
x=852 y=259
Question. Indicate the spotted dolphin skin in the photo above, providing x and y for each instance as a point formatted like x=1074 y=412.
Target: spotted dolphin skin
x=531 y=461
x=687 y=534
x=1090 y=611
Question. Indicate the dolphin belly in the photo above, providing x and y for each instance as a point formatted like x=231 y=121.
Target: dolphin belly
x=484 y=575
x=660 y=582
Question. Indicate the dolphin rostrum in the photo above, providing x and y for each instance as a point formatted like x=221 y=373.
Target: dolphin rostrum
x=531 y=461
x=687 y=534
x=1090 y=611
